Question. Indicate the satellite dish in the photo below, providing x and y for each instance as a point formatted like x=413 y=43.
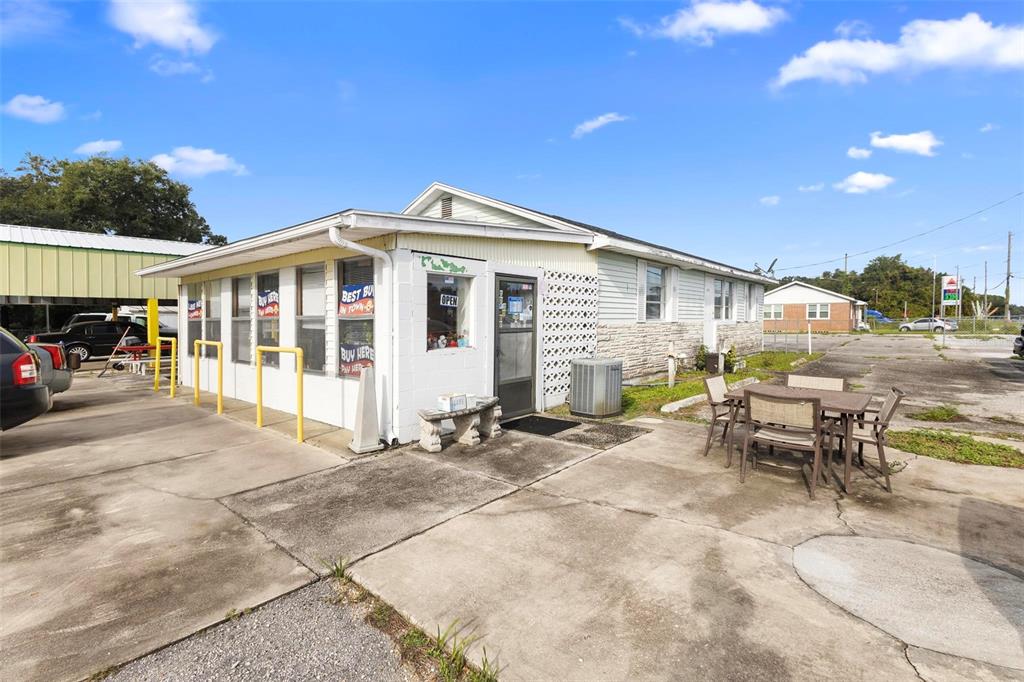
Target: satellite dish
x=769 y=271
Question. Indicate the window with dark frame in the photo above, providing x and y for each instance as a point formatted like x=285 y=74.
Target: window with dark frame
x=356 y=297
x=447 y=296
x=311 y=317
x=241 y=322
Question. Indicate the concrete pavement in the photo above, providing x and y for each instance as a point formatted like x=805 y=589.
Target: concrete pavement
x=112 y=538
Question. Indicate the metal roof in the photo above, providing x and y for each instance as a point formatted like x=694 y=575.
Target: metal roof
x=22 y=234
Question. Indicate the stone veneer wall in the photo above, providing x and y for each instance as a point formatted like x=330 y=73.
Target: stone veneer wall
x=746 y=336
x=643 y=346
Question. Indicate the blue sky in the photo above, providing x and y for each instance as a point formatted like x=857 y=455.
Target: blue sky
x=715 y=114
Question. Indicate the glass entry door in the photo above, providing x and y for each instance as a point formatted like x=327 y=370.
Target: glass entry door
x=514 y=345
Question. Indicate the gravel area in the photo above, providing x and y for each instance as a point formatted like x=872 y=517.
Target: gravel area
x=302 y=636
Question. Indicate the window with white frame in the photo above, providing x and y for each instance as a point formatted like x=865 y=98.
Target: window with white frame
x=772 y=311
x=723 y=299
x=268 y=315
x=355 y=316
x=817 y=311
x=241 y=324
x=654 y=293
x=311 y=317
x=211 y=316
x=195 y=315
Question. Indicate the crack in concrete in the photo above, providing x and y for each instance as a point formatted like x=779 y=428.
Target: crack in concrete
x=906 y=655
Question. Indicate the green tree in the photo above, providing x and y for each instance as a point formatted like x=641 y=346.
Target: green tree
x=887 y=283
x=132 y=198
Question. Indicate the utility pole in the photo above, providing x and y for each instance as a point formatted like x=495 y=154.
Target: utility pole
x=985 y=293
x=959 y=294
x=934 y=266
x=1009 y=242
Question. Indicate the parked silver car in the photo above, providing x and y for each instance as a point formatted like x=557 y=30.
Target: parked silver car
x=929 y=324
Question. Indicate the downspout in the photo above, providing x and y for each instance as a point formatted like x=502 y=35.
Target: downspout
x=334 y=232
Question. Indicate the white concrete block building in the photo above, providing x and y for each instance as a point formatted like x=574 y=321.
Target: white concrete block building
x=457 y=293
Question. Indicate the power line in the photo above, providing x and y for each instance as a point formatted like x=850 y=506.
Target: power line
x=906 y=239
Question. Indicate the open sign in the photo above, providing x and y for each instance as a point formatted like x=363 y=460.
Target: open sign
x=449 y=301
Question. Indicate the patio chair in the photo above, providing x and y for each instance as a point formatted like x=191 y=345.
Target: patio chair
x=721 y=411
x=870 y=430
x=820 y=383
x=794 y=424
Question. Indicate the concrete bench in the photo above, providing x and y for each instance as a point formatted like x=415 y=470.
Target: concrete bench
x=470 y=424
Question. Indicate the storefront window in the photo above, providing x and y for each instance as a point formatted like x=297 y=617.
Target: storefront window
x=447 y=298
x=311 y=321
x=268 y=315
x=195 y=315
x=241 y=327
x=211 y=316
x=355 y=316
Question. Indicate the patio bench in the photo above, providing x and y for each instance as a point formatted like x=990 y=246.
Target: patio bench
x=470 y=424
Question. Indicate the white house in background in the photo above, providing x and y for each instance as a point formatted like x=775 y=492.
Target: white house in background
x=795 y=305
x=457 y=293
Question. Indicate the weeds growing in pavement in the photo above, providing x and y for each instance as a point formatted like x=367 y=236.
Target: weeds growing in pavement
x=488 y=671
x=941 y=413
x=338 y=569
x=956 y=447
x=451 y=664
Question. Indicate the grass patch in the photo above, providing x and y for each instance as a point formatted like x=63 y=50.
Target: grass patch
x=942 y=413
x=956 y=447
x=1009 y=421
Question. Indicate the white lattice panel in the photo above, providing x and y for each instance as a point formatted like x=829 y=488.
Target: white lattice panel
x=570 y=326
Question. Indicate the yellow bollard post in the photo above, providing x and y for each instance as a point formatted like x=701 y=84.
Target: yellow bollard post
x=220 y=378
x=298 y=392
x=152 y=321
x=195 y=372
x=259 y=386
x=174 y=363
x=156 y=367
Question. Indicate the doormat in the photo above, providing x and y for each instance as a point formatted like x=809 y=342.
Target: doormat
x=540 y=426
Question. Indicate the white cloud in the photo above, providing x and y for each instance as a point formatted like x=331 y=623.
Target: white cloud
x=922 y=143
x=34 y=108
x=772 y=200
x=705 y=20
x=593 y=124
x=858 y=153
x=99 y=147
x=197 y=162
x=862 y=183
x=988 y=128
x=170 y=23
x=923 y=44
x=174 y=67
x=853 y=28
x=816 y=187
x=23 y=20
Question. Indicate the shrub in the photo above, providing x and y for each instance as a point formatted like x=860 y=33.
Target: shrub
x=701 y=361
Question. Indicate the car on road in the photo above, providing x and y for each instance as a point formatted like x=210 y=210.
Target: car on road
x=929 y=324
x=93 y=339
x=137 y=318
x=56 y=367
x=23 y=396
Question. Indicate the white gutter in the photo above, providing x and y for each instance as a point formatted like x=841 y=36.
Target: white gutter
x=334 y=232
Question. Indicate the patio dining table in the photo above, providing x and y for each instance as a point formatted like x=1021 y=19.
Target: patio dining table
x=846 y=404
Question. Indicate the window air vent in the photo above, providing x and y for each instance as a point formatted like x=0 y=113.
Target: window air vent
x=446 y=207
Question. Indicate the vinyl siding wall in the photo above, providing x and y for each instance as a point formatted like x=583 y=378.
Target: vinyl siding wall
x=690 y=295
x=558 y=256
x=618 y=295
x=474 y=212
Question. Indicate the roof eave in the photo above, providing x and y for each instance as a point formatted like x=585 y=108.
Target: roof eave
x=671 y=257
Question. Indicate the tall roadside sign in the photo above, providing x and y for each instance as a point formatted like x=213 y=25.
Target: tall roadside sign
x=950 y=292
